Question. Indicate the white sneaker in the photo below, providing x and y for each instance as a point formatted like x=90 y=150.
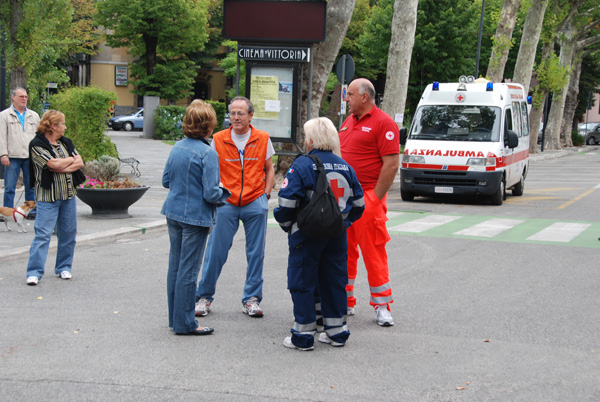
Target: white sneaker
x=32 y=280
x=65 y=275
x=323 y=338
x=350 y=311
x=252 y=308
x=384 y=317
x=203 y=307
x=287 y=342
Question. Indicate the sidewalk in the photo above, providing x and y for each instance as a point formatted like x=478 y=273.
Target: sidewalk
x=145 y=213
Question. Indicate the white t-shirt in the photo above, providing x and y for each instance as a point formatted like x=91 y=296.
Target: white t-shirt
x=240 y=142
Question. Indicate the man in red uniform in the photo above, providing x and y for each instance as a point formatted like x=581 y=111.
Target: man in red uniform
x=370 y=143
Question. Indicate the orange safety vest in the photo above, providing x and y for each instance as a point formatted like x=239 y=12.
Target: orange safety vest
x=248 y=183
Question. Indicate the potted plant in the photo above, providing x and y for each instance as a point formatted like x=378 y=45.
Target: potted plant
x=107 y=192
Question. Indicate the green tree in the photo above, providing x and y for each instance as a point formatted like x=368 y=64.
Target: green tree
x=36 y=32
x=213 y=51
x=229 y=64
x=41 y=37
x=161 y=34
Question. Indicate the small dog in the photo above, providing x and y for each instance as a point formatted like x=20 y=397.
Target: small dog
x=17 y=214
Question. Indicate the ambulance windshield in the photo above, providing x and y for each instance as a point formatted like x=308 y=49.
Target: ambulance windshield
x=456 y=123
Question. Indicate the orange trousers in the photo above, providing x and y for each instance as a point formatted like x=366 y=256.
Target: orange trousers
x=371 y=235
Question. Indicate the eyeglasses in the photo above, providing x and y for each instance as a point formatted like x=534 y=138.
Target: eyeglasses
x=23 y=97
x=238 y=114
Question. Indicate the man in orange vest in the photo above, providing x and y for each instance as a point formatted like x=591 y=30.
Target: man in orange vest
x=369 y=141
x=246 y=167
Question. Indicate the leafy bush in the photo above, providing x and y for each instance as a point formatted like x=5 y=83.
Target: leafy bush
x=220 y=110
x=578 y=139
x=167 y=122
x=87 y=110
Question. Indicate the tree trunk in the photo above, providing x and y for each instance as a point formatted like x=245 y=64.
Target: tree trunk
x=502 y=40
x=339 y=14
x=404 y=24
x=535 y=116
x=558 y=100
x=570 y=105
x=529 y=41
x=537 y=112
x=18 y=74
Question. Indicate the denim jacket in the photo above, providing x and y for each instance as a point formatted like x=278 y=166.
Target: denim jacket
x=192 y=177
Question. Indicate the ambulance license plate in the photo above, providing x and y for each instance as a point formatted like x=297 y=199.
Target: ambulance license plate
x=444 y=190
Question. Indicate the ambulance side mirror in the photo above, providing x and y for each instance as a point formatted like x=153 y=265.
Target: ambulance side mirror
x=403 y=135
x=512 y=140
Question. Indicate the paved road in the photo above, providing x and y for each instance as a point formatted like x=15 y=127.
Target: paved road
x=477 y=315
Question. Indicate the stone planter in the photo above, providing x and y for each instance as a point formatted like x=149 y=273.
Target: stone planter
x=110 y=203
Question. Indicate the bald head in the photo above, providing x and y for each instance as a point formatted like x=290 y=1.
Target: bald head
x=360 y=97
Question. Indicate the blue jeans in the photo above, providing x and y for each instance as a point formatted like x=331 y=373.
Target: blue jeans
x=185 y=258
x=254 y=217
x=11 y=175
x=63 y=215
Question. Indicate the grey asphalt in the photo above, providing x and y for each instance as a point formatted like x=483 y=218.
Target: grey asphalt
x=469 y=326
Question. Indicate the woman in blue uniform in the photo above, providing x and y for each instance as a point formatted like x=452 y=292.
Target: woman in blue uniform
x=318 y=266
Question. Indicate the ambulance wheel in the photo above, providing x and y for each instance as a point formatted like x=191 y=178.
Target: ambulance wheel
x=499 y=195
x=406 y=196
x=519 y=187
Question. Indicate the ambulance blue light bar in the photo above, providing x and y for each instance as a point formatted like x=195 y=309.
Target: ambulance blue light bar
x=436 y=86
x=489 y=86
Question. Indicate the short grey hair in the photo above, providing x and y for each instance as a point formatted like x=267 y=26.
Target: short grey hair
x=242 y=98
x=323 y=134
x=366 y=87
x=13 y=92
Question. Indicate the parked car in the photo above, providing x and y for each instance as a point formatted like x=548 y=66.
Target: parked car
x=128 y=122
x=591 y=132
x=226 y=121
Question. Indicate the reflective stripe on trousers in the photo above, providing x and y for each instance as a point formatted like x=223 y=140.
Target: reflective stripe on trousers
x=370 y=234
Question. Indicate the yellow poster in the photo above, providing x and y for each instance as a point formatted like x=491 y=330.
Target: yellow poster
x=264 y=90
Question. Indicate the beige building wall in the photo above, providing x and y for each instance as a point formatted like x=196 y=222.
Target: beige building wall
x=103 y=74
x=210 y=84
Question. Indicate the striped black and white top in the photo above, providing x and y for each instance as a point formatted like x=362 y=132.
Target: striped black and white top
x=62 y=188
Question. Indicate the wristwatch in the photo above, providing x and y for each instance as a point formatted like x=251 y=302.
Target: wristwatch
x=268 y=196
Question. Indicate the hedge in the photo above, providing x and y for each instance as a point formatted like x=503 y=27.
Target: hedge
x=168 y=120
x=87 y=110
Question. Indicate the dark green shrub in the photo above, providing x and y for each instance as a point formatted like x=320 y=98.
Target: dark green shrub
x=167 y=122
x=220 y=110
x=578 y=139
x=87 y=109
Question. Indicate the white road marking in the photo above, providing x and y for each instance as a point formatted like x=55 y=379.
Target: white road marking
x=562 y=232
x=423 y=224
x=490 y=228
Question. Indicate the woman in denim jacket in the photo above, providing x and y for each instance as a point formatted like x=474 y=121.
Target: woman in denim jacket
x=192 y=177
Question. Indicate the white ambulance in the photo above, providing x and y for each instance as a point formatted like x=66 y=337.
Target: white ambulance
x=467 y=138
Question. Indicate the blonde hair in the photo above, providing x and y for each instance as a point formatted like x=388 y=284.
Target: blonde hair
x=200 y=119
x=50 y=119
x=323 y=135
